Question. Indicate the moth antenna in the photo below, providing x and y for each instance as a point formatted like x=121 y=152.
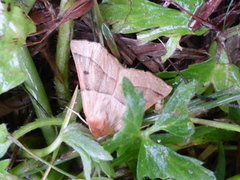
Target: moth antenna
x=80 y=117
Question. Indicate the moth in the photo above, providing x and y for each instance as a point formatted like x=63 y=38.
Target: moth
x=100 y=76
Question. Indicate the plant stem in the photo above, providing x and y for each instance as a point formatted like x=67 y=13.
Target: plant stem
x=40 y=159
x=229 y=32
x=222 y=97
x=34 y=85
x=62 y=55
x=221 y=125
x=39 y=123
x=56 y=143
x=45 y=151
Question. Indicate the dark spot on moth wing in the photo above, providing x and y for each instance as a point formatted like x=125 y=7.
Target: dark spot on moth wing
x=86 y=72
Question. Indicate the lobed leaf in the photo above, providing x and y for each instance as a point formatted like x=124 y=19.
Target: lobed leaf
x=74 y=137
x=157 y=161
x=89 y=150
x=175 y=118
x=218 y=71
x=128 y=136
x=128 y=139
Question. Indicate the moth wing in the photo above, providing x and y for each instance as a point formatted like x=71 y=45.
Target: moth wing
x=98 y=76
x=103 y=113
x=97 y=69
x=153 y=88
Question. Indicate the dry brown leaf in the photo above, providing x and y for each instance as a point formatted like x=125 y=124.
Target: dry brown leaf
x=100 y=76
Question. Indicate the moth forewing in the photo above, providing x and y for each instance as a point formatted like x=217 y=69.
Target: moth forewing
x=100 y=76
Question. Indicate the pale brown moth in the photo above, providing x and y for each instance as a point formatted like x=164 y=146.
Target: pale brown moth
x=100 y=76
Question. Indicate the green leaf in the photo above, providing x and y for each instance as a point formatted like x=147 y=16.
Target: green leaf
x=3 y=166
x=225 y=74
x=175 y=118
x=130 y=16
x=26 y=168
x=197 y=106
x=9 y=177
x=157 y=161
x=218 y=71
x=10 y=70
x=4 y=143
x=201 y=72
x=89 y=150
x=128 y=139
x=203 y=134
x=100 y=178
x=76 y=138
x=171 y=45
x=127 y=153
x=236 y=177
x=3 y=133
x=15 y=25
x=220 y=171
x=14 y=28
x=135 y=108
x=107 y=168
x=87 y=163
x=129 y=134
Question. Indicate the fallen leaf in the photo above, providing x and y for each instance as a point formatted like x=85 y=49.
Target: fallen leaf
x=100 y=76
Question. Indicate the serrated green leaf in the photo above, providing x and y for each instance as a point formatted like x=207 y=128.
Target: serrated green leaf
x=157 y=161
x=129 y=134
x=135 y=107
x=175 y=118
x=218 y=71
x=200 y=72
x=89 y=150
x=128 y=139
x=130 y=16
x=14 y=28
x=127 y=153
x=76 y=138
